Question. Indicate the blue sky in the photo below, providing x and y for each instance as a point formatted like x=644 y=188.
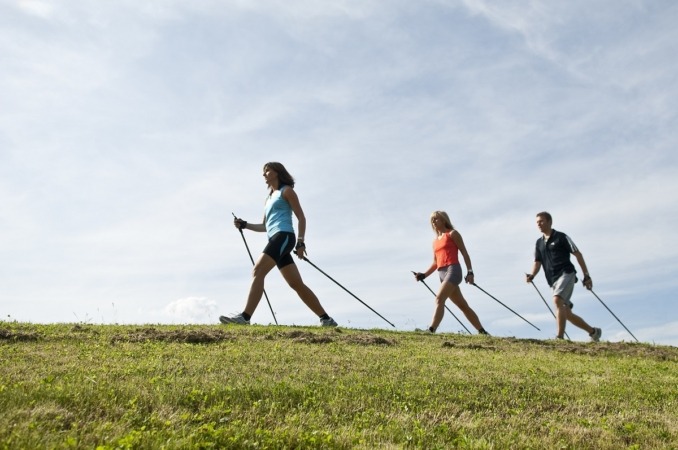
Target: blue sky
x=129 y=132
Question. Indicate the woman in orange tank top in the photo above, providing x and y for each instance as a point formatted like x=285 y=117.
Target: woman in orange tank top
x=446 y=248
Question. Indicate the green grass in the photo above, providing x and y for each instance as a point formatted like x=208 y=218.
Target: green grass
x=153 y=387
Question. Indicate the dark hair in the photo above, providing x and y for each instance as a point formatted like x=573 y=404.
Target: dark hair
x=284 y=176
x=545 y=215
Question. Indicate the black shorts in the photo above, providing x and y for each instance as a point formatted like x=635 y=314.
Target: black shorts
x=279 y=248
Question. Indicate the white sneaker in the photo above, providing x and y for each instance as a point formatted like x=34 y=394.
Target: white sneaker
x=237 y=319
x=597 y=333
x=329 y=322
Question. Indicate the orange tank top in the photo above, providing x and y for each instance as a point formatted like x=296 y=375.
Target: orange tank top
x=445 y=250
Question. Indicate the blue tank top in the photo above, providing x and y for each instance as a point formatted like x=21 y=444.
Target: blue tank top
x=278 y=214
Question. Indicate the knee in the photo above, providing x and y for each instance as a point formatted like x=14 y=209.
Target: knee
x=258 y=272
x=559 y=302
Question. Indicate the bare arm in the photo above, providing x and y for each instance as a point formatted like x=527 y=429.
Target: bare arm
x=587 y=278
x=456 y=237
x=536 y=266
x=260 y=227
x=432 y=268
x=291 y=197
x=428 y=271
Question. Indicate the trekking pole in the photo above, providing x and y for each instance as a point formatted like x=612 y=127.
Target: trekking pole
x=252 y=259
x=319 y=270
x=614 y=315
x=448 y=309
x=494 y=298
x=547 y=305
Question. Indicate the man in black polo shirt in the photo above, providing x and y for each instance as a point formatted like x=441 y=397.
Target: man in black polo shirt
x=553 y=251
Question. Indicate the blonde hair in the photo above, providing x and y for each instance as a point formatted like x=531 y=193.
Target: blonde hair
x=446 y=219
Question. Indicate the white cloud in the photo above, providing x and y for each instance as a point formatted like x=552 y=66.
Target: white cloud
x=36 y=7
x=192 y=310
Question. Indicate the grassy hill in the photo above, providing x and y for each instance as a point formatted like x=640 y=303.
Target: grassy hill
x=153 y=387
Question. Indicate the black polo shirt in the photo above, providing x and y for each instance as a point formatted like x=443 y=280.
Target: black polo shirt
x=554 y=255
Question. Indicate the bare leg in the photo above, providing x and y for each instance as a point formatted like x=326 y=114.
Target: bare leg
x=470 y=314
x=263 y=266
x=561 y=315
x=291 y=274
x=452 y=291
x=438 y=312
x=565 y=314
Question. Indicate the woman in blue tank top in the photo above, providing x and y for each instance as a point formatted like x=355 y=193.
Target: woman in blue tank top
x=281 y=202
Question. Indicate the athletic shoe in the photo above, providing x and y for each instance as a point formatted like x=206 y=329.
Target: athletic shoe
x=597 y=333
x=482 y=331
x=428 y=330
x=237 y=319
x=329 y=322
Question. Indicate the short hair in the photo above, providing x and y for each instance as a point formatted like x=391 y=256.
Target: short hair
x=545 y=215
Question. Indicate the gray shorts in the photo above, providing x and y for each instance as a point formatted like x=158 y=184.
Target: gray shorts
x=564 y=286
x=450 y=274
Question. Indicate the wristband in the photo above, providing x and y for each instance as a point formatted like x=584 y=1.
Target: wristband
x=300 y=245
